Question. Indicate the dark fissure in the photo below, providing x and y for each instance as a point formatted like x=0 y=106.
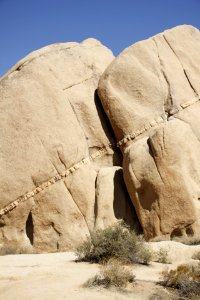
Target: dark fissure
x=29 y=228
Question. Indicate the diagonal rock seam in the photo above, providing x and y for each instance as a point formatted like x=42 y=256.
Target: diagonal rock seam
x=95 y=155
x=154 y=123
x=161 y=119
x=80 y=82
x=102 y=151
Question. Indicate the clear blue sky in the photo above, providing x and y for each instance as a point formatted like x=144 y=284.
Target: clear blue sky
x=26 y=25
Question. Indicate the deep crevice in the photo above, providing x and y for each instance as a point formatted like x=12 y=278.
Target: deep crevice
x=30 y=228
x=189 y=231
x=176 y=232
x=108 y=130
x=95 y=203
x=122 y=206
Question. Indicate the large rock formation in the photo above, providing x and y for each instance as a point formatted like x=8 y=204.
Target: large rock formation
x=54 y=141
x=61 y=172
x=151 y=94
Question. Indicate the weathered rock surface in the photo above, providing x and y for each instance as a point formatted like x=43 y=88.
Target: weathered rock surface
x=54 y=142
x=61 y=172
x=151 y=94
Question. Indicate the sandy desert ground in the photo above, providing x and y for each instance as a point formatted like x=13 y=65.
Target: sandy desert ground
x=57 y=276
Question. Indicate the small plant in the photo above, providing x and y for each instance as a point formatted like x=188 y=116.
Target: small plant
x=162 y=256
x=113 y=274
x=145 y=255
x=196 y=255
x=117 y=242
x=185 y=278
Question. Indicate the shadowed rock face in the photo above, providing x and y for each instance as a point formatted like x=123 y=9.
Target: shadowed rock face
x=151 y=94
x=55 y=142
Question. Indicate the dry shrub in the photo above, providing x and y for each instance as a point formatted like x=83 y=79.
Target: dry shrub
x=162 y=256
x=185 y=278
x=144 y=255
x=113 y=273
x=116 y=241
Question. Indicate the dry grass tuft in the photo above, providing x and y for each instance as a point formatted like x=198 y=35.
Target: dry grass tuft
x=185 y=278
x=162 y=256
x=112 y=274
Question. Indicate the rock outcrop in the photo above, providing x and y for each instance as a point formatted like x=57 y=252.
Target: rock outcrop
x=151 y=94
x=55 y=139
x=62 y=172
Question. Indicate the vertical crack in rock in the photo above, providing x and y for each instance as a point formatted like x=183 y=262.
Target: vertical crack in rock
x=107 y=129
x=163 y=136
x=156 y=164
x=185 y=73
x=159 y=215
x=47 y=154
x=96 y=203
x=196 y=94
x=30 y=228
x=68 y=189
x=169 y=101
x=55 y=229
x=134 y=173
x=80 y=124
x=154 y=158
x=58 y=234
x=61 y=160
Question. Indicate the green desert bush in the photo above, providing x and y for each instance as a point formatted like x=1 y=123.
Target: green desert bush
x=162 y=256
x=112 y=274
x=116 y=241
x=144 y=255
x=185 y=278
